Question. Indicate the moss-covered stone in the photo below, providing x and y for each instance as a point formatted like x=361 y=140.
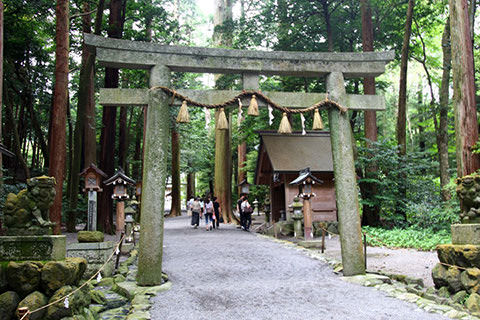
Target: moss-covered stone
x=466 y=256
x=8 y=303
x=473 y=303
x=24 y=277
x=77 y=302
x=470 y=279
x=460 y=296
x=453 y=279
x=439 y=275
x=97 y=296
x=56 y=274
x=90 y=236
x=34 y=301
x=119 y=278
x=443 y=292
x=106 y=282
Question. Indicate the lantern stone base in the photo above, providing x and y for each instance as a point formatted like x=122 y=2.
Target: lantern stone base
x=96 y=253
x=466 y=233
x=39 y=248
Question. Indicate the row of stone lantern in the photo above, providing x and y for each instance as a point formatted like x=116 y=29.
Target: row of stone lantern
x=93 y=179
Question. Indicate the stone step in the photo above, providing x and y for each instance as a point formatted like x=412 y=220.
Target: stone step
x=115 y=314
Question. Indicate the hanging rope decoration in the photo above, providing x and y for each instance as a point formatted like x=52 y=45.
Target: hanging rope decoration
x=285 y=127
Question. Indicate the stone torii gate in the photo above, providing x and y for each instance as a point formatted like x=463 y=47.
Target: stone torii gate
x=160 y=60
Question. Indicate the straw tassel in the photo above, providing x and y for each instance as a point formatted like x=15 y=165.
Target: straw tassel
x=253 y=107
x=183 y=116
x=317 y=121
x=222 y=122
x=285 y=126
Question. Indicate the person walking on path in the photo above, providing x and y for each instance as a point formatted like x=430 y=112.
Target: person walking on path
x=208 y=214
x=239 y=210
x=196 y=212
x=217 y=212
x=247 y=211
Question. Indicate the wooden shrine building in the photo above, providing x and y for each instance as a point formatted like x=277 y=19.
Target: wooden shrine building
x=282 y=156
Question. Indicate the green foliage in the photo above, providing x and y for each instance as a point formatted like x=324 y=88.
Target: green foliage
x=422 y=206
x=423 y=239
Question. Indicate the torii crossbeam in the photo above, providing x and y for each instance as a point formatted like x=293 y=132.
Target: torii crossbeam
x=163 y=59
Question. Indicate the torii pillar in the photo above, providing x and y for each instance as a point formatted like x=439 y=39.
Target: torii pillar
x=154 y=177
x=346 y=190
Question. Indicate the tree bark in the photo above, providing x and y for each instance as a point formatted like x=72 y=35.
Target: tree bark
x=15 y=138
x=57 y=143
x=402 y=103
x=328 y=24
x=442 y=132
x=371 y=213
x=222 y=186
x=122 y=137
x=402 y=95
x=107 y=139
x=1 y=93
x=466 y=126
x=223 y=157
x=175 y=210
x=190 y=185
x=90 y=128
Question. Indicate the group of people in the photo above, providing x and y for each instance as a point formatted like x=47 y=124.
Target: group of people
x=210 y=209
x=245 y=210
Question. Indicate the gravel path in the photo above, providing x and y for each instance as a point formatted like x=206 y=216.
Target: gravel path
x=232 y=274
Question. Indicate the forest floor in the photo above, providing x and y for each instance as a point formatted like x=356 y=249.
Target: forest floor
x=232 y=274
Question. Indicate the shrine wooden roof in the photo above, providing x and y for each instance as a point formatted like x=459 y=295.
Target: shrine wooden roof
x=290 y=153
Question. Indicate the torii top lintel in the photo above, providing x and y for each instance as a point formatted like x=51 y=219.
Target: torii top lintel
x=144 y=55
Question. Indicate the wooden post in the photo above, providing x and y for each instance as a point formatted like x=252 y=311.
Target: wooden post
x=323 y=240
x=307 y=218
x=153 y=182
x=346 y=190
x=120 y=216
x=92 y=211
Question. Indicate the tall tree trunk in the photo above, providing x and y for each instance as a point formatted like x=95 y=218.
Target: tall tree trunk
x=78 y=145
x=138 y=148
x=190 y=185
x=466 y=126
x=371 y=213
x=223 y=156
x=175 y=210
x=1 y=94
x=402 y=95
x=402 y=105
x=90 y=128
x=57 y=143
x=122 y=138
x=107 y=162
x=16 y=148
x=442 y=132
x=222 y=187
x=328 y=24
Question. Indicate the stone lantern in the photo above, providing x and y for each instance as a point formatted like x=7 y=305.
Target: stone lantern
x=297 y=217
x=129 y=221
x=305 y=182
x=93 y=179
x=120 y=181
x=266 y=209
x=244 y=187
